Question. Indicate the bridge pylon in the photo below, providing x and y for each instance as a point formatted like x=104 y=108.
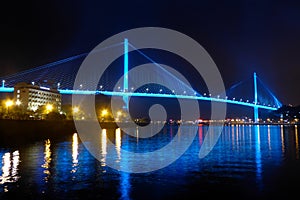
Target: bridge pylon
x=255 y=107
x=125 y=83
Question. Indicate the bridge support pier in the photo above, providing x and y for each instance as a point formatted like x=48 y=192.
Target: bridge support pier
x=255 y=114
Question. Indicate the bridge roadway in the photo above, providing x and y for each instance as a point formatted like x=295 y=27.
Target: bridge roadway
x=136 y=94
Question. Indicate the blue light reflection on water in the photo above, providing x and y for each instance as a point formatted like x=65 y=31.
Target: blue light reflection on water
x=258 y=154
x=65 y=169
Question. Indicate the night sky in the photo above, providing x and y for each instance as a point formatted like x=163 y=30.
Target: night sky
x=241 y=36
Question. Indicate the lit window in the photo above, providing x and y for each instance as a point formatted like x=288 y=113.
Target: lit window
x=18 y=91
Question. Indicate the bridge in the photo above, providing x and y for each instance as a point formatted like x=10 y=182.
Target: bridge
x=63 y=78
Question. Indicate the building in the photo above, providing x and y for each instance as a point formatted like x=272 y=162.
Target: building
x=33 y=96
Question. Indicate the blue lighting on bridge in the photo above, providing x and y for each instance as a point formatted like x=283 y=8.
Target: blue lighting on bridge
x=127 y=94
x=136 y=94
x=125 y=98
x=6 y=89
x=83 y=92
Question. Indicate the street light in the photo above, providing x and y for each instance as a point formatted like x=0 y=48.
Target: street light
x=76 y=113
x=8 y=103
x=49 y=108
x=104 y=113
x=75 y=109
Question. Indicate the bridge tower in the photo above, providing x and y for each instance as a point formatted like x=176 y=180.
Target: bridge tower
x=125 y=83
x=255 y=99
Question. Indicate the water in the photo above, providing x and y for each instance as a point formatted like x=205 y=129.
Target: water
x=247 y=162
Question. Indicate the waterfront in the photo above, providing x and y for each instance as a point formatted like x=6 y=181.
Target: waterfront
x=247 y=162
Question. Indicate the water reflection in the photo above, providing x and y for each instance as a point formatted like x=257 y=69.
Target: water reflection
x=297 y=142
x=66 y=168
x=137 y=134
x=200 y=134
x=125 y=186
x=15 y=161
x=118 y=143
x=233 y=128
x=269 y=137
x=237 y=135
x=6 y=168
x=10 y=163
x=74 y=152
x=103 y=147
x=47 y=159
x=258 y=153
x=282 y=138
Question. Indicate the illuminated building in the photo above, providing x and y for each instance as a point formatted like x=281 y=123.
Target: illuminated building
x=32 y=96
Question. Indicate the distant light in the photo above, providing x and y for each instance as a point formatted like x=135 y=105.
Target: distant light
x=119 y=113
x=18 y=102
x=75 y=109
x=34 y=108
x=32 y=82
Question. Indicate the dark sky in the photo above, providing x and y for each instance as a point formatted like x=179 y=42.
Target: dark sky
x=241 y=36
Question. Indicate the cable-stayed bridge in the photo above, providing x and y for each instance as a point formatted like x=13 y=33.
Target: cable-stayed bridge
x=62 y=74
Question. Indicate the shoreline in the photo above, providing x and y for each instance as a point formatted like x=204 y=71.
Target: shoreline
x=40 y=129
